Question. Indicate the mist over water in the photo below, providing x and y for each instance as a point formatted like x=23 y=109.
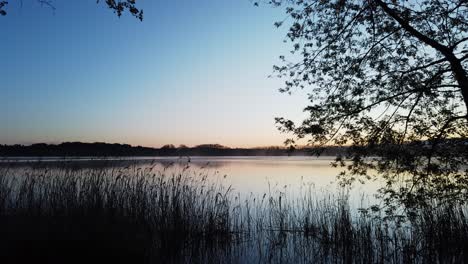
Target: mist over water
x=248 y=177
x=211 y=210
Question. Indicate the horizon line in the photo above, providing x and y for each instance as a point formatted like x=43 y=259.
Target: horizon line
x=162 y=146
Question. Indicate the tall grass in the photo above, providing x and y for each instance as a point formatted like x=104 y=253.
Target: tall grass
x=143 y=215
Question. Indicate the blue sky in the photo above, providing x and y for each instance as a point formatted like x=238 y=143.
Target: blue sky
x=192 y=72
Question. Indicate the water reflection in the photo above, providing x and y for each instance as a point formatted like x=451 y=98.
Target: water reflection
x=287 y=209
x=247 y=176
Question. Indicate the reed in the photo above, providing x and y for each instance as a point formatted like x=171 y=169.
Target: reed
x=143 y=215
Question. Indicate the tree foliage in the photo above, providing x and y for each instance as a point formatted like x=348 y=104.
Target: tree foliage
x=388 y=78
x=118 y=6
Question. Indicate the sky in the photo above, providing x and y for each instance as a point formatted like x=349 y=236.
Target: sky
x=192 y=72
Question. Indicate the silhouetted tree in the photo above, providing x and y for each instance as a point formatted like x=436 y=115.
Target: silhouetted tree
x=168 y=146
x=118 y=6
x=389 y=79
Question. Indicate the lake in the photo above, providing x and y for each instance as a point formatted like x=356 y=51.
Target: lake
x=248 y=176
x=213 y=210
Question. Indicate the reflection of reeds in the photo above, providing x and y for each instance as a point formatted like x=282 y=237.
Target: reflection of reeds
x=141 y=215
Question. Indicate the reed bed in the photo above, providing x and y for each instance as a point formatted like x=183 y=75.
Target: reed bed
x=143 y=215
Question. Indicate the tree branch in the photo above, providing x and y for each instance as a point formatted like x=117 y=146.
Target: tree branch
x=405 y=24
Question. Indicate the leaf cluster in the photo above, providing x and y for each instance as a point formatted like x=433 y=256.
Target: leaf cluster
x=118 y=6
x=388 y=79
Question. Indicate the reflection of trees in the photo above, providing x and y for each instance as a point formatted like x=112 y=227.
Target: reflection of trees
x=97 y=163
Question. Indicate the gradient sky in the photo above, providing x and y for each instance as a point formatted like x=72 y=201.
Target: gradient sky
x=192 y=72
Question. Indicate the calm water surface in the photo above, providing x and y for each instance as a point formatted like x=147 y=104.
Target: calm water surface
x=248 y=176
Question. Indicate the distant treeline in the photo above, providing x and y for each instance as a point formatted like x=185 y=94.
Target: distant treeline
x=105 y=149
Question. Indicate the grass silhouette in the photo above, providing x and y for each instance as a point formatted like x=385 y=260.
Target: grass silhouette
x=143 y=215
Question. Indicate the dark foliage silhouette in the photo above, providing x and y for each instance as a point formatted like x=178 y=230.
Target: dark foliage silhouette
x=99 y=149
x=388 y=79
x=118 y=6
